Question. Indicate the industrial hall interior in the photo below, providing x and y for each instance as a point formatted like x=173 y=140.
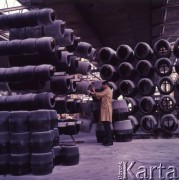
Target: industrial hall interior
x=89 y=89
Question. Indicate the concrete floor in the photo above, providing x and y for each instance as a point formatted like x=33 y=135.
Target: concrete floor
x=102 y=163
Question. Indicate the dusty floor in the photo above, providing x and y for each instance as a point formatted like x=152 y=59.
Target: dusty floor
x=102 y=163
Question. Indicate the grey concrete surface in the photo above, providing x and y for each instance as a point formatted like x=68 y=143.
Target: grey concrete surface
x=102 y=163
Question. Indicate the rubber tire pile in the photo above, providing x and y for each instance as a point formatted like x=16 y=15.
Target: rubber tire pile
x=138 y=75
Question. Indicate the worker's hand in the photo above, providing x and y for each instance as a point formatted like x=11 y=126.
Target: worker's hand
x=93 y=89
x=89 y=92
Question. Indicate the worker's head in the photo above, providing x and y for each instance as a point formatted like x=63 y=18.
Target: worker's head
x=105 y=84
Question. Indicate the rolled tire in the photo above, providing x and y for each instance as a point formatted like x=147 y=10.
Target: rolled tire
x=167 y=104
x=176 y=48
x=163 y=67
x=20 y=164
x=42 y=163
x=3 y=48
x=83 y=49
x=2 y=74
x=3 y=106
x=84 y=68
x=68 y=38
x=132 y=105
x=26 y=73
x=109 y=73
x=44 y=72
x=12 y=74
x=56 y=30
x=143 y=51
x=165 y=85
x=144 y=68
x=19 y=121
x=4 y=143
x=45 y=16
x=60 y=84
x=169 y=123
x=4 y=21
x=13 y=102
x=57 y=153
x=29 y=19
x=34 y=32
x=4 y=163
x=135 y=123
x=14 y=20
x=125 y=53
x=127 y=88
x=69 y=155
x=18 y=33
x=28 y=46
x=4 y=121
x=147 y=105
x=14 y=47
x=45 y=45
x=146 y=87
x=56 y=137
x=61 y=105
x=162 y=48
x=72 y=89
x=44 y=100
x=73 y=66
x=148 y=123
x=126 y=70
x=27 y=101
x=20 y=143
x=92 y=55
x=123 y=131
x=108 y=56
x=54 y=119
x=41 y=142
x=82 y=87
x=39 y=121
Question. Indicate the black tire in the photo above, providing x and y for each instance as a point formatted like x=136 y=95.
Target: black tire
x=126 y=70
x=4 y=21
x=4 y=121
x=65 y=61
x=68 y=38
x=2 y=74
x=143 y=51
x=84 y=68
x=92 y=56
x=12 y=74
x=42 y=164
x=3 y=48
x=3 y=106
x=61 y=105
x=148 y=123
x=69 y=155
x=72 y=69
x=135 y=123
x=167 y=104
x=56 y=137
x=14 y=20
x=60 y=84
x=71 y=127
x=41 y=142
x=120 y=106
x=45 y=16
x=44 y=101
x=39 y=121
x=57 y=152
x=14 y=47
x=20 y=143
x=44 y=72
x=123 y=131
x=34 y=32
x=45 y=45
x=26 y=73
x=82 y=87
x=165 y=85
x=54 y=119
x=108 y=56
x=132 y=105
x=20 y=164
x=127 y=88
x=28 y=46
x=146 y=87
x=29 y=19
x=73 y=105
x=162 y=48
x=18 y=121
x=86 y=125
x=169 y=123
x=109 y=73
x=13 y=102
x=4 y=163
x=163 y=67
x=83 y=49
x=27 y=101
x=175 y=48
x=56 y=30
x=72 y=89
x=125 y=53
x=19 y=33
x=4 y=143
x=147 y=105
x=144 y=68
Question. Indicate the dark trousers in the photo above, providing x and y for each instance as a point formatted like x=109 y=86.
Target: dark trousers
x=108 y=131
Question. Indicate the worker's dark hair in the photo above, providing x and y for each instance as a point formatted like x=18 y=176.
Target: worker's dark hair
x=105 y=83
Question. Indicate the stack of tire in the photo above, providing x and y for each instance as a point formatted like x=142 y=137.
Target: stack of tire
x=138 y=74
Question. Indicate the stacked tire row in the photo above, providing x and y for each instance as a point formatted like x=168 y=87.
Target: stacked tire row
x=137 y=75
